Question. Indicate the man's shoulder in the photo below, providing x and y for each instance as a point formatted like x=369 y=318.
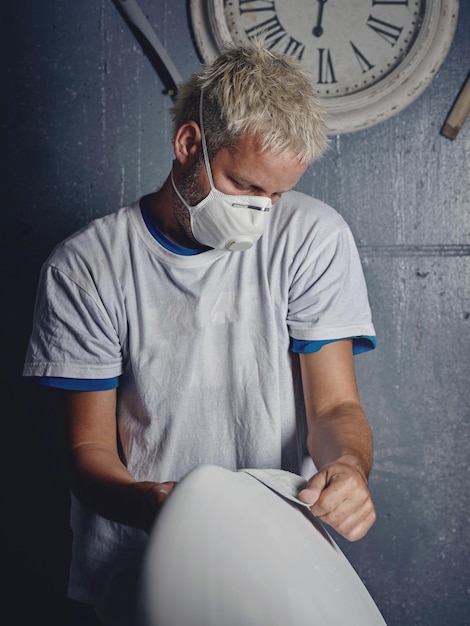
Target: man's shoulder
x=299 y=211
x=102 y=232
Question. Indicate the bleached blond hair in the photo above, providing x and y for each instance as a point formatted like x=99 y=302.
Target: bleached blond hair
x=251 y=89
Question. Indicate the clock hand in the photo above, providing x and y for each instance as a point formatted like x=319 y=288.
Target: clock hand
x=318 y=30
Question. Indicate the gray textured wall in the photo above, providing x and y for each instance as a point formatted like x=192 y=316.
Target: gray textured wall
x=85 y=129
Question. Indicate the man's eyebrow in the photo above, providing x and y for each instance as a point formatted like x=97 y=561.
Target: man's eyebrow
x=240 y=178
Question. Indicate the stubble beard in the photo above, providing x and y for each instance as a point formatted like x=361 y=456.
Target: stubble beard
x=189 y=189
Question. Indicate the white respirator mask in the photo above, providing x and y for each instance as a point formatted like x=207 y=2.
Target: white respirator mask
x=224 y=221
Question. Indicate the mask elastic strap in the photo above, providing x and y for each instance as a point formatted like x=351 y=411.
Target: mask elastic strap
x=176 y=190
x=204 y=144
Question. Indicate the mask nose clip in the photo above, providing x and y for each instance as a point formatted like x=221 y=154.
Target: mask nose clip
x=264 y=209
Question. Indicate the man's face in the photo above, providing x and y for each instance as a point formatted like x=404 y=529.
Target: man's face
x=245 y=170
x=242 y=170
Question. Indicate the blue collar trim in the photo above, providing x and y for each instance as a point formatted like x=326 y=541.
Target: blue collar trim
x=157 y=233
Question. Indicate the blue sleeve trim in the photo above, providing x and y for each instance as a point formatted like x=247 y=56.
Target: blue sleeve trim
x=360 y=344
x=80 y=384
x=364 y=344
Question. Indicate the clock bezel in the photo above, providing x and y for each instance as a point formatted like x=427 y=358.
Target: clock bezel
x=375 y=103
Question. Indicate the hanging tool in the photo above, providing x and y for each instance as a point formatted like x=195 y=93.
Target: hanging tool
x=151 y=44
x=458 y=113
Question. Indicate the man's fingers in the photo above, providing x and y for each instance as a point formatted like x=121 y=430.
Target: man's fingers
x=352 y=523
x=342 y=500
x=163 y=490
x=313 y=490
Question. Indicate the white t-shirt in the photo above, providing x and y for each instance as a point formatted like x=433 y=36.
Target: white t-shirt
x=201 y=346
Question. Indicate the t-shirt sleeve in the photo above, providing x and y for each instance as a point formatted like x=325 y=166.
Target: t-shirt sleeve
x=328 y=297
x=359 y=344
x=73 y=335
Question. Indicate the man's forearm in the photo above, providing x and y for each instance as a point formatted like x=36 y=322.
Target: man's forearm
x=97 y=475
x=105 y=486
x=342 y=432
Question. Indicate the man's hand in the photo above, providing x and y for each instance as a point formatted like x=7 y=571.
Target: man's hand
x=339 y=495
x=155 y=495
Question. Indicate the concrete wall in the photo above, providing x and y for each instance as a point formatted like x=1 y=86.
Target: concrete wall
x=86 y=128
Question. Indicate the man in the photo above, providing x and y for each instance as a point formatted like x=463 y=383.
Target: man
x=173 y=329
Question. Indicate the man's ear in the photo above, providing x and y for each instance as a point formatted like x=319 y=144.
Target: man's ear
x=187 y=144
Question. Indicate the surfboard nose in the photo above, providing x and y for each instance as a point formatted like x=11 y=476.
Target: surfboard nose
x=233 y=549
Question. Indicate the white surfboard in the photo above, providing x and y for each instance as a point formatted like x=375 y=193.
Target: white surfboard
x=239 y=549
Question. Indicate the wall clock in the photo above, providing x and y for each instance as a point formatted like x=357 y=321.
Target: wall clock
x=368 y=59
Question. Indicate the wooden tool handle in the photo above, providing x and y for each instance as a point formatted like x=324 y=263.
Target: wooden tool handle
x=458 y=113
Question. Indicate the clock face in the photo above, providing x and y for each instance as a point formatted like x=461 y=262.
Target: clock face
x=368 y=59
x=345 y=46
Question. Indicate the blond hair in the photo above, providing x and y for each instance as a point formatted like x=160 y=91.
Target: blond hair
x=251 y=89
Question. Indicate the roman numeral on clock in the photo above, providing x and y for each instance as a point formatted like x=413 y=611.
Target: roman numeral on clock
x=403 y=2
x=387 y=31
x=326 y=72
x=275 y=36
x=247 y=6
x=363 y=62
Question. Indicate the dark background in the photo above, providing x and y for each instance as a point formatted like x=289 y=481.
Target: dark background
x=85 y=129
